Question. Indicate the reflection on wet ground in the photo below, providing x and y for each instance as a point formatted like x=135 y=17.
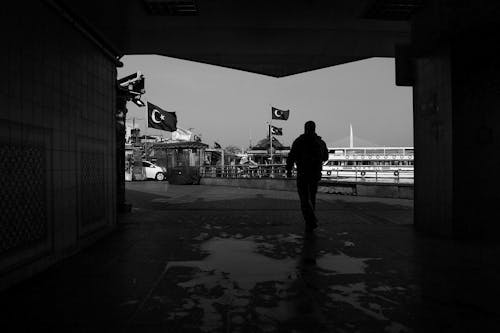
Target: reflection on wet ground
x=215 y=259
x=239 y=281
x=267 y=283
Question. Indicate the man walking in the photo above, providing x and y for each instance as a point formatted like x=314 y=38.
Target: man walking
x=308 y=153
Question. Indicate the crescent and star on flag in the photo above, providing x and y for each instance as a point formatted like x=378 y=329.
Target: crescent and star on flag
x=153 y=117
x=276 y=130
x=161 y=119
x=279 y=114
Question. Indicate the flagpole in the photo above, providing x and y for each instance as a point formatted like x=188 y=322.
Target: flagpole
x=250 y=137
x=271 y=139
x=145 y=134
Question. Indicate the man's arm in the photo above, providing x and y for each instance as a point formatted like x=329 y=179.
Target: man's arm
x=290 y=160
x=324 y=152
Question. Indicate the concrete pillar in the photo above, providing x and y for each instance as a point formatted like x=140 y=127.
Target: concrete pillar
x=456 y=124
x=476 y=127
x=433 y=142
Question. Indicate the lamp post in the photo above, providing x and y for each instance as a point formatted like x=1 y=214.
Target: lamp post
x=129 y=88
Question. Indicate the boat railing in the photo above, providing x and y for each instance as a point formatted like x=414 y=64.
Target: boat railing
x=360 y=173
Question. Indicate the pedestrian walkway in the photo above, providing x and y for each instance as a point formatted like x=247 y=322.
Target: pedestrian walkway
x=224 y=259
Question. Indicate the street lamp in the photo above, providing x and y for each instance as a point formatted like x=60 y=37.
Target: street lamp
x=137 y=101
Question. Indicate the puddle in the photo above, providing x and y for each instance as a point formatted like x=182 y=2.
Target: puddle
x=233 y=266
x=202 y=236
x=343 y=264
x=239 y=277
x=395 y=327
x=291 y=238
x=161 y=200
x=353 y=295
x=238 y=259
x=364 y=300
x=389 y=288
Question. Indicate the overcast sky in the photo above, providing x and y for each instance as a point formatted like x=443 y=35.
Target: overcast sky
x=232 y=107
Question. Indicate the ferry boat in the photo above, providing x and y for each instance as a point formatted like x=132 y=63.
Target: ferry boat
x=369 y=162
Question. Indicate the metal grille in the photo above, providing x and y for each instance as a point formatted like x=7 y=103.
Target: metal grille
x=393 y=10
x=23 y=211
x=171 y=7
x=92 y=198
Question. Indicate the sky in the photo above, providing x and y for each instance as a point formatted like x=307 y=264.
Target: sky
x=233 y=107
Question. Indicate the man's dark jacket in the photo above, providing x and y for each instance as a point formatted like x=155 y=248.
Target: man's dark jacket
x=308 y=152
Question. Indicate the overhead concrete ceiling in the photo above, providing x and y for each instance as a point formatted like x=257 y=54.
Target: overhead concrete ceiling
x=271 y=37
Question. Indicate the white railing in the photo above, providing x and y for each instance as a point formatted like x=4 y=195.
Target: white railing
x=356 y=173
x=279 y=171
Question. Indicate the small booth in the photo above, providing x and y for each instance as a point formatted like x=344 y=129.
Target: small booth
x=182 y=160
x=129 y=153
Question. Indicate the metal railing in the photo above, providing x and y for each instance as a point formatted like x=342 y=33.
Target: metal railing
x=245 y=171
x=370 y=175
x=279 y=171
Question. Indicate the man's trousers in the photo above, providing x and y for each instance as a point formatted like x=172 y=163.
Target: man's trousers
x=307 y=189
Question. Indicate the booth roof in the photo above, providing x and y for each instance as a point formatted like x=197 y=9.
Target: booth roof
x=264 y=145
x=180 y=145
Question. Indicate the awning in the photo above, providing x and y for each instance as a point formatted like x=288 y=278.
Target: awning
x=180 y=145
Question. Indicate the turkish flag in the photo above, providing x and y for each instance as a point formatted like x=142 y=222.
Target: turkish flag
x=161 y=119
x=280 y=114
x=276 y=130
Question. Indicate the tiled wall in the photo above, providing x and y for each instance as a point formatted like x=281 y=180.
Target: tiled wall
x=57 y=137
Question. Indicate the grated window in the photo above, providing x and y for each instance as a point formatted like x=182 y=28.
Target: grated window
x=171 y=7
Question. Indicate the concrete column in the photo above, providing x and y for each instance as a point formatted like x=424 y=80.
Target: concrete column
x=456 y=126
x=433 y=142
x=476 y=127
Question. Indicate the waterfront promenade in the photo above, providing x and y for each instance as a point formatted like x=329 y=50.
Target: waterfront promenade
x=227 y=259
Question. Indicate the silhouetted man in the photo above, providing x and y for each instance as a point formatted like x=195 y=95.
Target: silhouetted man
x=308 y=152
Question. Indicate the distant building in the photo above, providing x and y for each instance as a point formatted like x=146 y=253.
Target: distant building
x=182 y=160
x=261 y=153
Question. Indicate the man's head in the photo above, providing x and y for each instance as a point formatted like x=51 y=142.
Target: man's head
x=309 y=127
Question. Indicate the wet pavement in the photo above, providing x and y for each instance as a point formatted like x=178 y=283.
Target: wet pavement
x=223 y=259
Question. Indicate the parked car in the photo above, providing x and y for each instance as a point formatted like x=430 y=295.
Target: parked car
x=153 y=171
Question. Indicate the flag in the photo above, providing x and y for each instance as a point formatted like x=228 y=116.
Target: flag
x=182 y=135
x=276 y=130
x=280 y=114
x=161 y=119
x=217 y=146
